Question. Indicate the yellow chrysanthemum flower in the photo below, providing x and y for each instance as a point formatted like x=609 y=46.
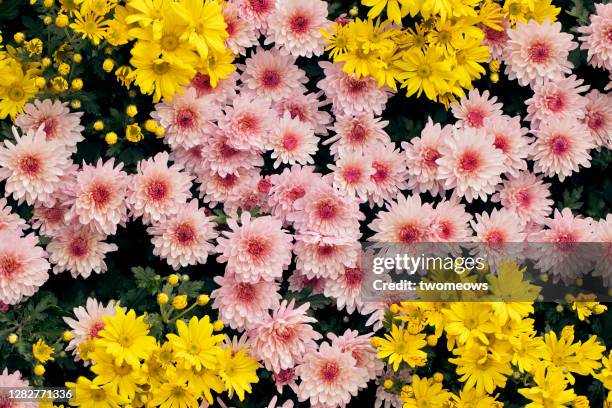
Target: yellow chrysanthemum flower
x=218 y=66
x=401 y=346
x=238 y=371
x=480 y=369
x=208 y=28
x=195 y=345
x=550 y=389
x=91 y=26
x=605 y=375
x=41 y=351
x=95 y=394
x=427 y=72
x=174 y=393
x=337 y=37
x=424 y=392
x=172 y=41
x=125 y=377
x=17 y=89
x=472 y=399
x=469 y=322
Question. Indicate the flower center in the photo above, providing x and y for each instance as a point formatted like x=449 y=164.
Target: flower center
x=595 y=121
x=95 y=328
x=228 y=181
x=555 y=103
x=201 y=83
x=475 y=118
x=78 y=247
x=157 y=190
x=358 y=133
x=352 y=175
x=296 y=112
x=559 y=145
x=54 y=215
x=169 y=42
x=326 y=209
x=260 y=6
x=501 y=142
x=469 y=162
x=29 y=165
x=184 y=233
x=290 y=141
x=270 y=78
x=50 y=126
x=231 y=26
x=352 y=276
x=100 y=195
x=495 y=237
x=9 y=265
x=494 y=36
x=299 y=24
x=244 y=292
x=523 y=198
x=227 y=151
x=382 y=172
x=257 y=246
x=98 y=394
x=247 y=123
x=409 y=233
x=446 y=229
x=539 y=52
x=160 y=67
x=295 y=193
x=16 y=94
x=356 y=85
x=430 y=155
x=185 y=118
x=424 y=71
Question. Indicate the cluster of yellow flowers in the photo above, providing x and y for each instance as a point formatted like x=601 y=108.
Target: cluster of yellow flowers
x=490 y=342
x=131 y=367
x=440 y=53
x=173 y=40
x=18 y=80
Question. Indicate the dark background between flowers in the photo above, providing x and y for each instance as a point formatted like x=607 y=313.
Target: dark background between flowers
x=132 y=269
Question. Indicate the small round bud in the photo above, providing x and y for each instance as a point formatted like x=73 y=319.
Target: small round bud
x=438 y=377
x=48 y=3
x=218 y=325
x=559 y=308
x=19 y=37
x=132 y=93
x=39 y=370
x=67 y=335
x=160 y=132
x=131 y=111
x=98 y=125
x=173 y=279
x=77 y=84
x=61 y=20
x=388 y=384
x=157 y=278
x=162 y=299
x=12 y=338
x=394 y=308
x=108 y=65
x=63 y=69
x=494 y=77
x=354 y=11
x=432 y=340
x=111 y=138
x=203 y=300
x=569 y=298
x=75 y=104
x=77 y=58
x=544 y=277
x=151 y=125
x=599 y=309
x=40 y=82
x=179 y=302
x=48 y=20
x=185 y=278
x=46 y=62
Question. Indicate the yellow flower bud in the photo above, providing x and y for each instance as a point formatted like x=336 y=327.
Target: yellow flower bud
x=218 y=325
x=39 y=370
x=75 y=104
x=98 y=125
x=133 y=133
x=110 y=138
x=432 y=340
x=173 y=279
x=567 y=333
x=48 y=3
x=559 y=308
x=19 y=37
x=59 y=84
x=77 y=84
x=131 y=111
x=108 y=65
x=46 y=62
x=77 y=58
x=599 y=309
x=388 y=384
x=569 y=298
x=63 y=69
x=203 y=300
x=151 y=125
x=544 y=277
x=354 y=11
x=48 y=20
x=160 y=132
x=494 y=77
x=185 y=278
x=494 y=66
x=67 y=336
x=162 y=298
x=394 y=309
x=61 y=20
x=438 y=377
x=516 y=375
x=40 y=82
x=179 y=302
x=12 y=338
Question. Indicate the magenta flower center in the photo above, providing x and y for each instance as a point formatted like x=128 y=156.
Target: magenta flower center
x=29 y=165
x=299 y=24
x=257 y=246
x=296 y=111
x=595 y=121
x=227 y=151
x=469 y=162
x=501 y=142
x=330 y=371
x=231 y=26
x=78 y=247
x=9 y=265
x=184 y=233
x=185 y=118
x=560 y=145
x=358 y=133
x=409 y=233
x=445 y=229
x=539 y=52
x=54 y=215
x=270 y=78
x=50 y=127
x=245 y=292
x=247 y=123
x=326 y=209
x=382 y=172
x=228 y=181
x=97 y=326
x=290 y=141
x=555 y=103
x=295 y=193
x=430 y=155
x=201 y=82
x=475 y=118
x=157 y=190
x=352 y=175
x=352 y=276
x=260 y=6
x=100 y=195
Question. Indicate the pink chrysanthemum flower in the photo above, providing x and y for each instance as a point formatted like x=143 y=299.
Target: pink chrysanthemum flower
x=355 y=133
x=241 y=33
x=10 y=221
x=97 y=196
x=13 y=381
x=183 y=239
x=49 y=220
x=471 y=164
x=247 y=197
x=187 y=120
x=292 y=141
x=406 y=220
x=290 y=185
x=256 y=249
x=89 y=321
x=221 y=158
x=360 y=348
x=602 y=232
x=33 y=167
x=223 y=93
x=215 y=188
x=242 y=304
x=526 y=196
x=298 y=281
x=353 y=175
x=422 y=154
x=60 y=124
x=536 y=52
x=349 y=95
x=330 y=377
x=270 y=75
x=561 y=147
x=79 y=250
x=307 y=108
x=190 y=159
x=282 y=339
x=295 y=27
x=320 y=256
x=390 y=173
x=598 y=118
x=256 y=12
x=498 y=227
x=248 y=122
x=512 y=140
x=157 y=189
x=597 y=39
x=451 y=223
x=345 y=288
x=23 y=267
x=474 y=109
x=285 y=378
x=496 y=40
x=325 y=210
x=556 y=100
